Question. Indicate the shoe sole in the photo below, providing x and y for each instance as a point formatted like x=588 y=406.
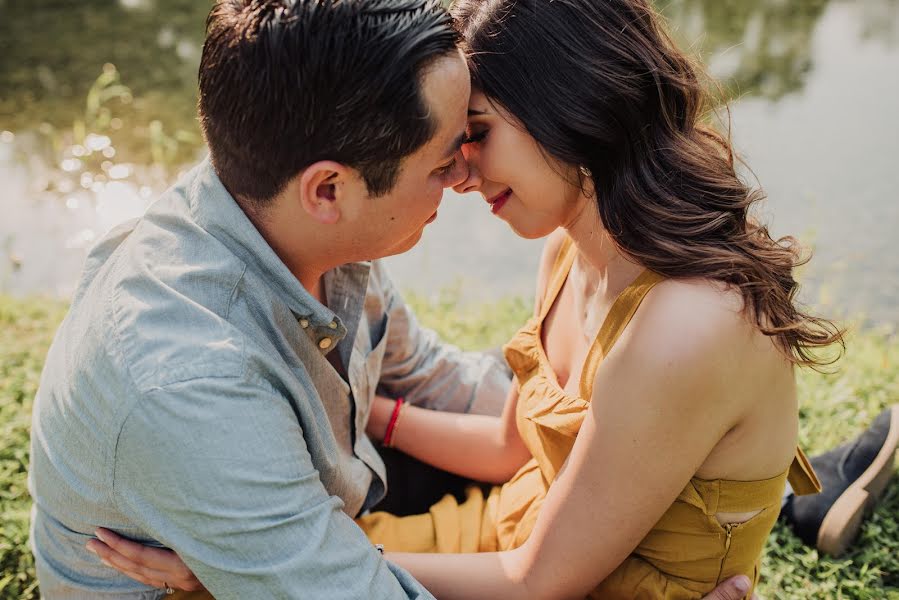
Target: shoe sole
x=843 y=521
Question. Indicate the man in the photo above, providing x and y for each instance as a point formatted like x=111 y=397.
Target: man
x=209 y=389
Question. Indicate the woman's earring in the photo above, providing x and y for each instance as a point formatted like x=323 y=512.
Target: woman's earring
x=585 y=171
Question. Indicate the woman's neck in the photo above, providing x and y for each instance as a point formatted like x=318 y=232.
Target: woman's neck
x=608 y=270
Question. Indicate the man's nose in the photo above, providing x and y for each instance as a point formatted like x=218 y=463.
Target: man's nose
x=459 y=172
x=472 y=180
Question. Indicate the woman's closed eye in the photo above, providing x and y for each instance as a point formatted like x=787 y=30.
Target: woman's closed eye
x=475 y=138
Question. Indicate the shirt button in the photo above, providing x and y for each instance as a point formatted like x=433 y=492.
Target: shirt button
x=304 y=323
x=324 y=343
x=333 y=324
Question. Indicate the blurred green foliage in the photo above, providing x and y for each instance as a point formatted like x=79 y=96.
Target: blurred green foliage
x=51 y=52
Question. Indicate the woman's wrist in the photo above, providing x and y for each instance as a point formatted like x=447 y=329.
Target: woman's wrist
x=378 y=417
x=393 y=423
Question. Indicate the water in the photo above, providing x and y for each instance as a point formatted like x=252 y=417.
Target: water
x=97 y=112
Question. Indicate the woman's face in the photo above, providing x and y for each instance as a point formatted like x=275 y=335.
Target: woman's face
x=508 y=168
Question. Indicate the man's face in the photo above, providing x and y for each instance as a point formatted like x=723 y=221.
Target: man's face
x=393 y=223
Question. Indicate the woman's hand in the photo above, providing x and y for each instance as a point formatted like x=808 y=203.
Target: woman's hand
x=156 y=567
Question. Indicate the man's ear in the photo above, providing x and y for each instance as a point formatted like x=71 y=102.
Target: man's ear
x=323 y=189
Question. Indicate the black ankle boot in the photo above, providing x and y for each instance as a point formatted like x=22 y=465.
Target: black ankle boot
x=853 y=477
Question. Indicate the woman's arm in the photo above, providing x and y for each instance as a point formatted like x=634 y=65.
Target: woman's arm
x=478 y=447
x=651 y=424
x=159 y=567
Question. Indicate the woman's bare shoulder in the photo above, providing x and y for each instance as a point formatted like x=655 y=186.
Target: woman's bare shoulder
x=696 y=321
x=686 y=344
x=708 y=307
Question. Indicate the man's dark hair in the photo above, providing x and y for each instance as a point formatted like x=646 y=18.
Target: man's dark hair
x=286 y=83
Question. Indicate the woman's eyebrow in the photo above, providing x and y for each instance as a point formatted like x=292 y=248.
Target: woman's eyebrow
x=476 y=113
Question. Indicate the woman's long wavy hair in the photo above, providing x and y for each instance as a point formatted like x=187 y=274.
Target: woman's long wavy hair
x=600 y=84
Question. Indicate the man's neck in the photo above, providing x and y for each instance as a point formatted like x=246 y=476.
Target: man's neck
x=317 y=289
x=305 y=261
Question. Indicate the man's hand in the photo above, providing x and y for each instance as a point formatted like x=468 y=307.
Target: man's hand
x=156 y=567
x=734 y=588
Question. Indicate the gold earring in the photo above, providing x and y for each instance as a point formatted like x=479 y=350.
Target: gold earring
x=585 y=171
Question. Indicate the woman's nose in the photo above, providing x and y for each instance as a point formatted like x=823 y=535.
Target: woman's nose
x=472 y=182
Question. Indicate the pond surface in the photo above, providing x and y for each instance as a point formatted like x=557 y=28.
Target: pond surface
x=97 y=115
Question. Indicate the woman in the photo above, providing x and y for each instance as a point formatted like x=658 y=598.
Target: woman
x=656 y=396
x=646 y=444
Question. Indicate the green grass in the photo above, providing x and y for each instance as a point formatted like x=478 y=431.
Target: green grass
x=26 y=329
x=834 y=408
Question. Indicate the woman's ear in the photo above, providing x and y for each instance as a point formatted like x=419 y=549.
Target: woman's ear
x=323 y=187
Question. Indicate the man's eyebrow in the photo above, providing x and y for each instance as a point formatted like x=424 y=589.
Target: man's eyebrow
x=454 y=146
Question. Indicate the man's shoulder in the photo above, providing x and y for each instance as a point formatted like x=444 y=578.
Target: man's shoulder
x=168 y=288
x=172 y=321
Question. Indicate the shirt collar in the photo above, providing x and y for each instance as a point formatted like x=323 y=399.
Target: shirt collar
x=346 y=287
x=215 y=210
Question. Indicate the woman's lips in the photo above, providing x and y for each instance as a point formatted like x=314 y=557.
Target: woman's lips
x=497 y=202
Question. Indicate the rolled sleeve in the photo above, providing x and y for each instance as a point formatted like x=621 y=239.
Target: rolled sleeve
x=431 y=373
x=218 y=470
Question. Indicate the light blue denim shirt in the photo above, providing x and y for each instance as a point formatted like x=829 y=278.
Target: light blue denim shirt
x=187 y=401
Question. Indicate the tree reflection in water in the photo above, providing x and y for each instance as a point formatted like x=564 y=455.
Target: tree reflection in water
x=123 y=72
x=51 y=53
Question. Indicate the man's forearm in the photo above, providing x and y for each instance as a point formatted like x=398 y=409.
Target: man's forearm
x=240 y=498
x=429 y=372
x=473 y=446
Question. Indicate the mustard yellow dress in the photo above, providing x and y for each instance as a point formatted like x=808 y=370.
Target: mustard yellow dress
x=685 y=555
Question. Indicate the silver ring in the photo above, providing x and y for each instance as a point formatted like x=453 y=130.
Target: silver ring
x=168 y=589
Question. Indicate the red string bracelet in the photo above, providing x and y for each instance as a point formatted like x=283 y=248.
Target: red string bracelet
x=391 y=424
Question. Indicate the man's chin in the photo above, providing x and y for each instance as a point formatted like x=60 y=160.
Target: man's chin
x=405 y=245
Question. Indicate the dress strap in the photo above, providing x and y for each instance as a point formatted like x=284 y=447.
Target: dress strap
x=619 y=316
x=802 y=476
x=558 y=275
